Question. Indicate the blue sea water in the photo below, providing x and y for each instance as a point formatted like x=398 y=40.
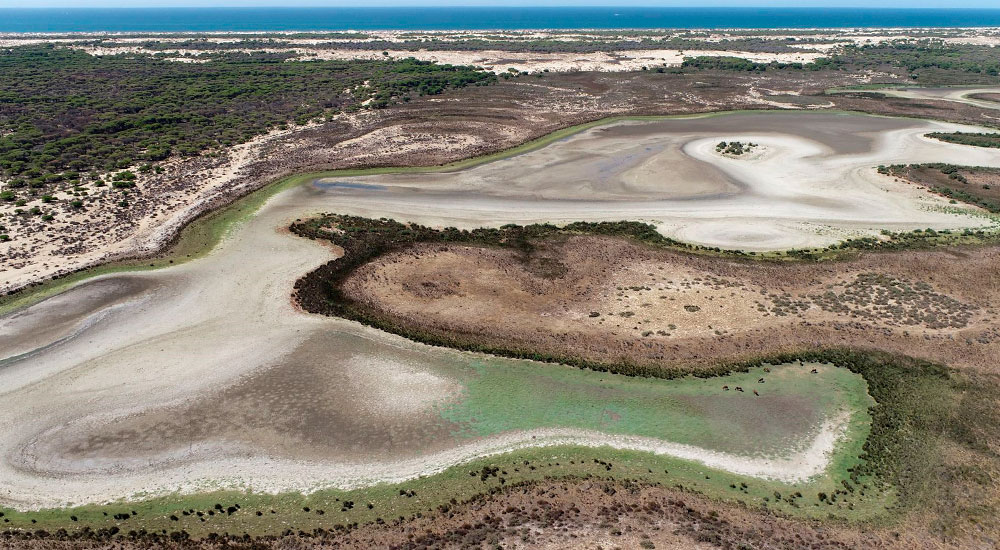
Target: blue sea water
x=475 y=18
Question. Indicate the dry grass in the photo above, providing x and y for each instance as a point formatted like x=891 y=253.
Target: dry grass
x=610 y=300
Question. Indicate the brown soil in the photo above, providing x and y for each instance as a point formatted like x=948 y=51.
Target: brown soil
x=980 y=182
x=612 y=300
x=986 y=97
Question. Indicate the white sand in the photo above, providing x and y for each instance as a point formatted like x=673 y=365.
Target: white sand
x=497 y=61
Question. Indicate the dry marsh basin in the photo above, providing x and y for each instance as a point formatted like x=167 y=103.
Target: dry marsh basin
x=809 y=182
x=203 y=377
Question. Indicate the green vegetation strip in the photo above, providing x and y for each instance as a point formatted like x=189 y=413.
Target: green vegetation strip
x=967 y=138
x=504 y=396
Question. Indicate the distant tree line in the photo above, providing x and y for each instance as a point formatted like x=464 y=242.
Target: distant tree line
x=928 y=61
x=726 y=63
x=502 y=43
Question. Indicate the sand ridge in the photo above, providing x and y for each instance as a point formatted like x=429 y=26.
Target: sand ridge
x=959 y=95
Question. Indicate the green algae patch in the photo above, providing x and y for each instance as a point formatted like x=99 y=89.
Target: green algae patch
x=764 y=411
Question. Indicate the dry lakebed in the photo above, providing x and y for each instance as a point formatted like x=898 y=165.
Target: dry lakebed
x=206 y=375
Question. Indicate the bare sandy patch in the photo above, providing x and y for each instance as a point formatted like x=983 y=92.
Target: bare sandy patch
x=393 y=388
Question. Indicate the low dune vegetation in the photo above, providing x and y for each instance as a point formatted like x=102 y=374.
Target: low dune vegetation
x=969 y=138
x=978 y=185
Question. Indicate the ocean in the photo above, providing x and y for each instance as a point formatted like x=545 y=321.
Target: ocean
x=61 y=20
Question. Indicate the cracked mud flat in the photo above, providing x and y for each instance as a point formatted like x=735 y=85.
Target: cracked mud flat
x=178 y=337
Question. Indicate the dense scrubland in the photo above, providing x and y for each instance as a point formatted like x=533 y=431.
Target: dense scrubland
x=967 y=138
x=478 y=43
x=925 y=62
x=928 y=62
x=70 y=117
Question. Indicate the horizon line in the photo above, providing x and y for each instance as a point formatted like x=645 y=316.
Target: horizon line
x=526 y=6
